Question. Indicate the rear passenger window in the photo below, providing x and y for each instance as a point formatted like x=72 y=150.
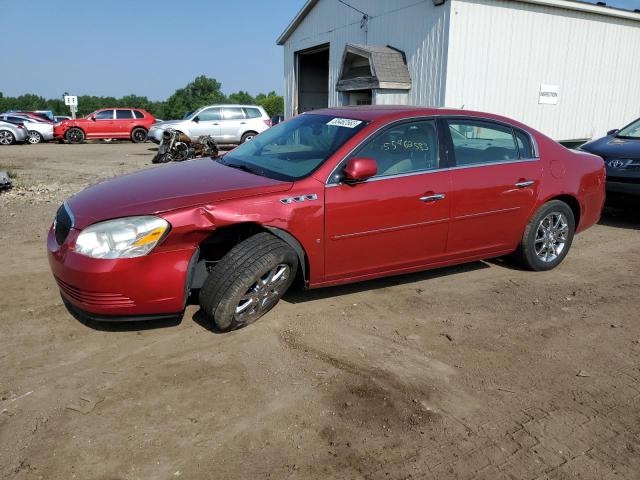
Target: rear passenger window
x=233 y=113
x=124 y=114
x=524 y=144
x=138 y=114
x=252 y=112
x=403 y=148
x=478 y=142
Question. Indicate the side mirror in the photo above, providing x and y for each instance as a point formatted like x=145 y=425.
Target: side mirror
x=613 y=132
x=92 y=118
x=359 y=169
x=196 y=119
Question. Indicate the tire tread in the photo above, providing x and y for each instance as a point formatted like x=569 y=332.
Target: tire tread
x=242 y=262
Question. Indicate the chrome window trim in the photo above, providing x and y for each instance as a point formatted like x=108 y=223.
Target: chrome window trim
x=534 y=147
x=534 y=144
x=426 y=172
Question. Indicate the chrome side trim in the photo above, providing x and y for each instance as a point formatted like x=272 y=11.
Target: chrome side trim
x=388 y=229
x=298 y=199
x=534 y=145
x=485 y=214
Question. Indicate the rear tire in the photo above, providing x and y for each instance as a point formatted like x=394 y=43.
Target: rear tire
x=34 y=137
x=547 y=237
x=248 y=281
x=74 y=135
x=138 y=135
x=7 y=137
x=247 y=136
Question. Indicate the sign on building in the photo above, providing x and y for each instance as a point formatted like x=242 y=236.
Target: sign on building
x=548 y=94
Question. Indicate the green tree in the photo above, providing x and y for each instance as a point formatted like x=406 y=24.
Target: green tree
x=202 y=91
x=198 y=93
x=241 y=97
x=271 y=102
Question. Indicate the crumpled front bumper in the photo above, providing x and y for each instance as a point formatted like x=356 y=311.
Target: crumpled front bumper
x=150 y=286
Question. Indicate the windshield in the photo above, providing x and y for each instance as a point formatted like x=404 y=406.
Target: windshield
x=630 y=131
x=187 y=115
x=293 y=149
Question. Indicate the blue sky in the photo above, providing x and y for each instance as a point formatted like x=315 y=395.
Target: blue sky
x=146 y=47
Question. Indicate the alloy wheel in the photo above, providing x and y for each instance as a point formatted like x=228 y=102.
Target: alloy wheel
x=34 y=137
x=263 y=294
x=551 y=236
x=75 y=135
x=6 y=138
x=139 y=135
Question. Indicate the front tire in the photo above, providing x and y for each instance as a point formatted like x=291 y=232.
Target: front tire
x=547 y=237
x=138 y=135
x=34 y=137
x=74 y=135
x=248 y=281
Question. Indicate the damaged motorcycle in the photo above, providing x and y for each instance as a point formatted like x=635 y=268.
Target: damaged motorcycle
x=177 y=146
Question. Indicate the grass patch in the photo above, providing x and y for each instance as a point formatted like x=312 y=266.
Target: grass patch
x=12 y=173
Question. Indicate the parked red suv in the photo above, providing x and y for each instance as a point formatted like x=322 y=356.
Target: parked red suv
x=331 y=196
x=132 y=123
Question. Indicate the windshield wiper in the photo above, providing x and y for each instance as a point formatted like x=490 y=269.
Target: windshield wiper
x=246 y=168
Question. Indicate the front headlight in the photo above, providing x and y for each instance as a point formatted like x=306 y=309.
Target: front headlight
x=122 y=238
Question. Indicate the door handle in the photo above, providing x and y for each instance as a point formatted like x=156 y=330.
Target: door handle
x=433 y=198
x=525 y=183
x=243 y=123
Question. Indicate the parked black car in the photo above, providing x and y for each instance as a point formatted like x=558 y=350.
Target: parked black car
x=276 y=119
x=620 y=150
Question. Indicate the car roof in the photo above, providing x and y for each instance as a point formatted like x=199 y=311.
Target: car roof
x=240 y=105
x=394 y=112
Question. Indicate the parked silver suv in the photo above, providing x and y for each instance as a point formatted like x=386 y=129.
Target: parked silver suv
x=228 y=124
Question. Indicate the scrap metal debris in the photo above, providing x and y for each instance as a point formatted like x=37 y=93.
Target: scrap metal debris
x=5 y=181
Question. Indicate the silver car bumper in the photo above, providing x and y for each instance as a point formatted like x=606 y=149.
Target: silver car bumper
x=21 y=134
x=155 y=135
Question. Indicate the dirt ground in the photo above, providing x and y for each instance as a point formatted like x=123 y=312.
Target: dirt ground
x=481 y=371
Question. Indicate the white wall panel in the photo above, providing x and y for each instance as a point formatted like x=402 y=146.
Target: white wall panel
x=501 y=51
x=391 y=97
x=416 y=27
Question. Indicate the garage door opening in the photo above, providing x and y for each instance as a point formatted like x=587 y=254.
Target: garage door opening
x=313 y=79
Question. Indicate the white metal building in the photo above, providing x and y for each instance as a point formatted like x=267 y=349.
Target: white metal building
x=568 y=68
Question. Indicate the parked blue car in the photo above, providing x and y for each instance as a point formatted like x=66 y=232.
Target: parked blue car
x=620 y=150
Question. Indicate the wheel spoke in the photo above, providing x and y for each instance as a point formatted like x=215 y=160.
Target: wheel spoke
x=263 y=294
x=551 y=236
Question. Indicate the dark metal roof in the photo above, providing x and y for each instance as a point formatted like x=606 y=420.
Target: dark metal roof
x=388 y=69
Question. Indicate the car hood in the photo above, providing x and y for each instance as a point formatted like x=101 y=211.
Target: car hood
x=611 y=146
x=167 y=187
x=166 y=123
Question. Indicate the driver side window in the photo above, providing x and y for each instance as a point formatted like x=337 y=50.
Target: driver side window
x=403 y=148
x=209 y=114
x=105 y=115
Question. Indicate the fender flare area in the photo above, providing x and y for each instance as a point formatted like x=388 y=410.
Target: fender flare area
x=293 y=243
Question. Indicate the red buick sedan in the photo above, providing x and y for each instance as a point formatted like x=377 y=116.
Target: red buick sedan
x=329 y=197
x=128 y=123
